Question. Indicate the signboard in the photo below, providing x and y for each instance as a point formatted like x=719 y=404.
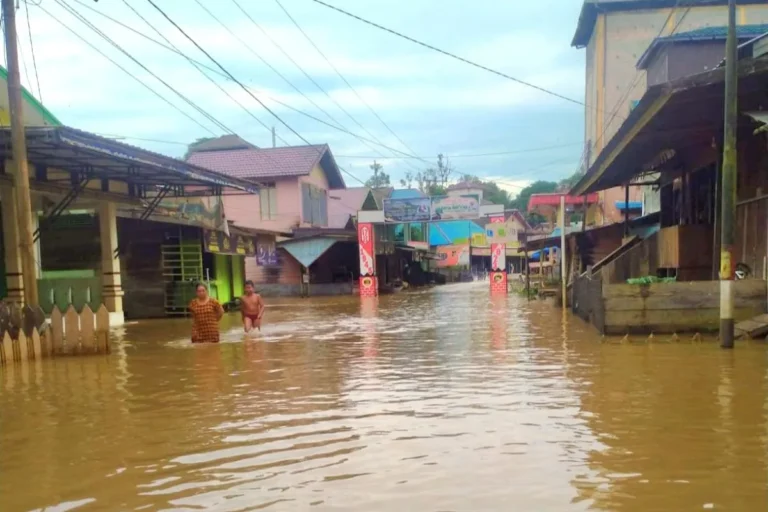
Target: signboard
x=453 y=208
x=365 y=240
x=498 y=257
x=479 y=240
x=221 y=243
x=503 y=232
x=407 y=210
x=266 y=252
x=202 y=212
x=453 y=255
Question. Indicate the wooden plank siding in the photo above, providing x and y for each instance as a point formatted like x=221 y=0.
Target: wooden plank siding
x=677 y=307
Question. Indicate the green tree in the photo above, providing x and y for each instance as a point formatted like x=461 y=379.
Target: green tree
x=434 y=180
x=407 y=181
x=520 y=202
x=379 y=179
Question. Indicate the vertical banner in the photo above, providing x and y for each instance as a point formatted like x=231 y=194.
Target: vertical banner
x=498 y=262
x=368 y=284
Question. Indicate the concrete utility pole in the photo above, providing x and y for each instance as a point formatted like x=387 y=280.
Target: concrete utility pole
x=728 y=189
x=563 y=277
x=274 y=138
x=19 y=157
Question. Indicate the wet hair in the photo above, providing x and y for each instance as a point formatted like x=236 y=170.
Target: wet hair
x=199 y=284
x=249 y=283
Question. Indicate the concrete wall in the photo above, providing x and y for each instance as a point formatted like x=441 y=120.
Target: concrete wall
x=618 y=41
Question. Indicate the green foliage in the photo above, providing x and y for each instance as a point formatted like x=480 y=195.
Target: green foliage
x=537 y=187
x=379 y=179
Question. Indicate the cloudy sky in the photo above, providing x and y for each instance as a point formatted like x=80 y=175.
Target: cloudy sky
x=432 y=103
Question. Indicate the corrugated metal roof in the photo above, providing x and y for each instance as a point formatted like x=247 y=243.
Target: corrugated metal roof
x=345 y=203
x=718 y=33
x=270 y=163
x=591 y=8
x=452 y=232
x=406 y=193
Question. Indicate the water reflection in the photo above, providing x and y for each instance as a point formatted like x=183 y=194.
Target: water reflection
x=439 y=400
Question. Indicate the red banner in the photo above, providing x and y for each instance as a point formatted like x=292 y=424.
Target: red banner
x=365 y=239
x=498 y=282
x=498 y=257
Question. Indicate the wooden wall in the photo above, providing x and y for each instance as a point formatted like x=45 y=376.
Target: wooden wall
x=677 y=307
x=639 y=261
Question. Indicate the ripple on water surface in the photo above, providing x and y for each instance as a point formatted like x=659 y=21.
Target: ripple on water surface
x=438 y=400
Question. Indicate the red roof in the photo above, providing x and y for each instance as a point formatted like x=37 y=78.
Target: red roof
x=270 y=163
x=553 y=199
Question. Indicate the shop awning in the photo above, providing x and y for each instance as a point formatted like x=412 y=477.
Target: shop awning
x=88 y=156
x=632 y=205
x=675 y=122
x=308 y=250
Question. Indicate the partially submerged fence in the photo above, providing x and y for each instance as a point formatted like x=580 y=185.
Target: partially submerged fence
x=26 y=334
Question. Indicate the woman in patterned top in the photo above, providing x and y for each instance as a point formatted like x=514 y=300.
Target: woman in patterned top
x=206 y=313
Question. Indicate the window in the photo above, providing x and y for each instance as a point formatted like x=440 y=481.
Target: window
x=314 y=205
x=268 y=202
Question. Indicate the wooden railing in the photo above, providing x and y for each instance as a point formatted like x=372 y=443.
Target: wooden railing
x=26 y=335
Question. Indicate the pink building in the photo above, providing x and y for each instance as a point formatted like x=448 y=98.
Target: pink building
x=294 y=195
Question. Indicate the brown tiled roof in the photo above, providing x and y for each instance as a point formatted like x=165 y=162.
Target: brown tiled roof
x=345 y=203
x=270 y=163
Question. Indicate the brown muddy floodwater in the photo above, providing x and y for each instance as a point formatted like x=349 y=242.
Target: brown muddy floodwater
x=442 y=400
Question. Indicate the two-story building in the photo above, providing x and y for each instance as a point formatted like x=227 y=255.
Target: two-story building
x=615 y=35
x=297 y=185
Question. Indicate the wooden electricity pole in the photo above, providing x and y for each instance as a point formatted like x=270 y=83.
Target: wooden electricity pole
x=19 y=158
x=728 y=188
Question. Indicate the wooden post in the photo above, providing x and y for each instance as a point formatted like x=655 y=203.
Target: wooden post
x=527 y=269
x=730 y=171
x=626 y=211
x=19 y=155
x=563 y=276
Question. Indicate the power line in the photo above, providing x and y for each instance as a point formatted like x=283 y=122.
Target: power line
x=344 y=79
x=32 y=47
x=278 y=73
x=148 y=87
x=248 y=91
x=637 y=76
x=196 y=66
x=225 y=75
x=452 y=55
x=316 y=84
x=191 y=103
x=475 y=155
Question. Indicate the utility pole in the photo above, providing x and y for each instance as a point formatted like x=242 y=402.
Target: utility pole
x=274 y=138
x=19 y=158
x=728 y=188
x=563 y=277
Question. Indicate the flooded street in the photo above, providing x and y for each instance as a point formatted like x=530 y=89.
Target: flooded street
x=442 y=400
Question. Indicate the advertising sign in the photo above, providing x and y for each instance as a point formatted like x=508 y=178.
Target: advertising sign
x=498 y=257
x=453 y=255
x=503 y=231
x=407 y=210
x=221 y=243
x=365 y=240
x=479 y=240
x=204 y=212
x=266 y=252
x=453 y=208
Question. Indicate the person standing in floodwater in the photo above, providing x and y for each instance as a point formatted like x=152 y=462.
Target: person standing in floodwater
x=206 y=313
x=252 y=308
